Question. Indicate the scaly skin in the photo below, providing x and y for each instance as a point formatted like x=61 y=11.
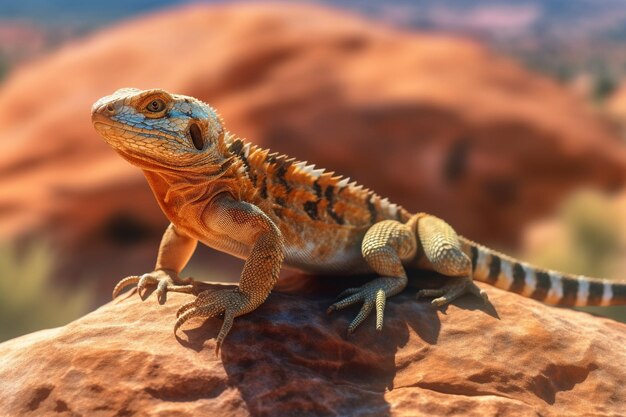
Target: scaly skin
x=268 y=209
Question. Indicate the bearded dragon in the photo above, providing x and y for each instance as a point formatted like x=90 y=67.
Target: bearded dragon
x=271 y=210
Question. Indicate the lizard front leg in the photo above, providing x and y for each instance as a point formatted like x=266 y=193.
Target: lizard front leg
x=244 y=225
x=174 y=253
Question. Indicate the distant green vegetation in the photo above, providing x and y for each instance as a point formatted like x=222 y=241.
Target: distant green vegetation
x=29 y=301
x=586 y=240
x=4 y=67
x=591 y=243
x=604 y=84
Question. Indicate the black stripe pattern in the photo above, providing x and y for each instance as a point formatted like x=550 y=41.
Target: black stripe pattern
x=494 y=269
x=237 y=149
x=519 y=278
x=543 y=285
x=474 y=251
x=310 y=207
x=282 y=166
x=619 y=292
x=596 y=289
x=570 y=291
x=330 y=196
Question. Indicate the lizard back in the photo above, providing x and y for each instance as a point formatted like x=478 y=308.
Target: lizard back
x=303 y=201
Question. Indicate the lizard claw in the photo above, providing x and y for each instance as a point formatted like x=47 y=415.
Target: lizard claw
x=202 y=298
x=123 y=284
x=230 y=302
x=371 y=295
x=163 y=279
x=452 y=291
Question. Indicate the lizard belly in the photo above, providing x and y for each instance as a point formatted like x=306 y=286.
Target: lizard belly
x=345 y=261
x=308 y=257
x=333 y=250
x=338 y=251
x=227 y=245
x=231 y=244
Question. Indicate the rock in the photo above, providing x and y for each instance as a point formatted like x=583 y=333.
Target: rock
x=616 y=107
x=287 y=358
x=436 y=123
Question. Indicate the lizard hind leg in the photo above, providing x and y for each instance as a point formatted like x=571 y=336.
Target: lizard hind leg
x=442 y=249
x=385 y=245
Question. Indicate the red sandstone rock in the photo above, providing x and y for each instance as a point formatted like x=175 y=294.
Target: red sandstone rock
x=289 y=359
x=436 y=123
x=616 y=107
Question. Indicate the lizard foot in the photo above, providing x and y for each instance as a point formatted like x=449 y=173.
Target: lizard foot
x=230 y=302
x=373 y=294
x=164 y=280
x=452 y=291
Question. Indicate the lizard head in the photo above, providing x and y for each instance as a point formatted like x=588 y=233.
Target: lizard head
x=156 y=129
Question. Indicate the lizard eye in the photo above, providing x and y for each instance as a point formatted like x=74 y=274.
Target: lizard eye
x=155 y=106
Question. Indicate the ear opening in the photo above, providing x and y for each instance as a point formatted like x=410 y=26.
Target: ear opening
x=196 y=136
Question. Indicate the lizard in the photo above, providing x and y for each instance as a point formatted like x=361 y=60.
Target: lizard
x=270 y=210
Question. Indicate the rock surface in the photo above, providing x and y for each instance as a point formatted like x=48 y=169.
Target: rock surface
x=288 y=358
x=433 y=122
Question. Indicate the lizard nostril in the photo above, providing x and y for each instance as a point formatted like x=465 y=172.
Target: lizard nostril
x=110 y=108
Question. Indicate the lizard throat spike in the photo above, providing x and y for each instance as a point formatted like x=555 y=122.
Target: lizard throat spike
x=196 y=136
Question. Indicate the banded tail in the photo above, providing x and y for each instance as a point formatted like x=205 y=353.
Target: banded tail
x=550 y=287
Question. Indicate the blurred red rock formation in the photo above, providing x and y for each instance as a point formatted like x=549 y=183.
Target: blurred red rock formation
x=436 y=123
x=617 y=106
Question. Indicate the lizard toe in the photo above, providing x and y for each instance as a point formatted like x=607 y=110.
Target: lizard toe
x=163 y=280
x=477 y=291
x=230 y=302
x=346 y=292
x=123 y=284
x=205 y=311
x=434 y=292
x=346 y=302
x=145 y=280
x=452 y=291
x=202 y=299
x=365 y=311
x=372 y=295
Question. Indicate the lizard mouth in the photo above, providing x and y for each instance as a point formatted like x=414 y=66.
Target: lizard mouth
x=196 y=136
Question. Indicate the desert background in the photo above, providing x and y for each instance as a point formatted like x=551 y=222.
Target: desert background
x=506 y=119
